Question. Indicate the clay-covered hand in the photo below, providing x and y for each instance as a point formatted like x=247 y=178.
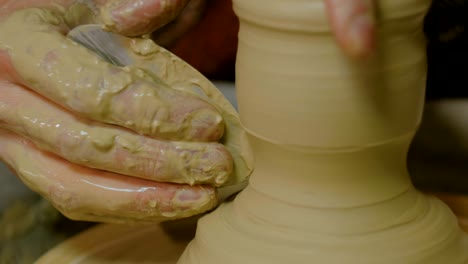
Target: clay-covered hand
x=353 y=23
x=102 y=142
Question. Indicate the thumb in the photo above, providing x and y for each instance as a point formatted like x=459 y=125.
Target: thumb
x=136 y=18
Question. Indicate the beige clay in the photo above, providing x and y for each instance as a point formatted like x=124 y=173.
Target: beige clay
x=81 y=81
x=71 y=75
x=330 y=138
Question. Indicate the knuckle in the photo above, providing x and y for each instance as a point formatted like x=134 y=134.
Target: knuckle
x=73 y=145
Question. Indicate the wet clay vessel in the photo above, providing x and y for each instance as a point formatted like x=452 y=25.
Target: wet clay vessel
x=330 y=137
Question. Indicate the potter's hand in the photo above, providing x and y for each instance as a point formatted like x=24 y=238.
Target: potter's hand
x=353 y=24
x=71 y=127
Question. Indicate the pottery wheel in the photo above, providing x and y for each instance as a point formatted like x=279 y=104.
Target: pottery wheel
x=110 y=243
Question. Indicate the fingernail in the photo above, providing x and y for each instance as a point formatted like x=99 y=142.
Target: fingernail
x=188 y=195
x=219 y=165
x=361 y=36
x=206 y=125
x=195 y=198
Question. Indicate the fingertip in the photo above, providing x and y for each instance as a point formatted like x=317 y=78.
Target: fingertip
x=360 y=40
x=353 y=24
x=136 y=18
x=200 y=198
x=226 y=164
x=206 y=125
x=214 y=167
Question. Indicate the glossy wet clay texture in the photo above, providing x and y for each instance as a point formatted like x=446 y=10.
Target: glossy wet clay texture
x=190 y=129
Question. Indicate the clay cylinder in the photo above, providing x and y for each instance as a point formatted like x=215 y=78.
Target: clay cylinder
x=303 y=99
x=295 y=86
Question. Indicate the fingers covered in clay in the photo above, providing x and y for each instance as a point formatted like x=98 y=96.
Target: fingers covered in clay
x=81 y=193
x=8 y=6
x=126 y=17
x=77 y=79
x=353 y=23
x=136 y=18
x=107 y=147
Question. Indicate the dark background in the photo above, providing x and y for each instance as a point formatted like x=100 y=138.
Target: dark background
x=445 y=28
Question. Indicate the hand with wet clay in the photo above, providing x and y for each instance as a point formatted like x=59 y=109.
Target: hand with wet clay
x=102 y=142
x=353 y=23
